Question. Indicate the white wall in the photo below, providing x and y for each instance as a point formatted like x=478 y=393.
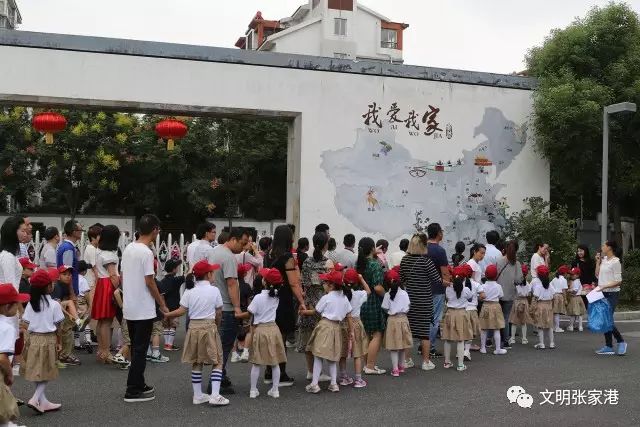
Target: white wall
x=307 y=41
x=330 y=105
x=367 y=33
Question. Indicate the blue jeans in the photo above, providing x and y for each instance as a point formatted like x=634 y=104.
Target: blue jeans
x=505 y=332
x=228 y=335
x=612 y=297
x=438 y=308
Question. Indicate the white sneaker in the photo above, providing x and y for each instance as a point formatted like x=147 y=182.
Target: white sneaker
x=16 y=370
x=235 y=357
x=467 y=355
x=204 y=398
x=218 y=401
x=512 y=341
x=483 y=350
x=580 y=328
x=552 y=345
x=253 y=394
x=539 y=346
x=558 y=330
x=274 y=393
x=570 y=328
x=159 y=359
x=409 y=363
x=525 y=341
x=500 y=351
x=428 y=366
x=324 y=378
x=244 y=357
x=374 y=371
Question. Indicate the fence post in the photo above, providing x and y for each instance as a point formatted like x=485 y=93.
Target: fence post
x=182 y=254
x=37 y=244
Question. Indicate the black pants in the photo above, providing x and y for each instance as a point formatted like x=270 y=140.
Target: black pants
x=612 y=297
x=140 y=334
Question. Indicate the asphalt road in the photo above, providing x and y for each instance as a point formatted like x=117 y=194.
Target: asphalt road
x=92 y=394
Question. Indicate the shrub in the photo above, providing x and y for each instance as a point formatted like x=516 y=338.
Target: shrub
x=630 y=290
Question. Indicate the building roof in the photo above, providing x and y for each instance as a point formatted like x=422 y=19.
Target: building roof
x=290 y=30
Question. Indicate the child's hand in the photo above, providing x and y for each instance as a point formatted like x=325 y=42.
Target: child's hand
x=58 y=347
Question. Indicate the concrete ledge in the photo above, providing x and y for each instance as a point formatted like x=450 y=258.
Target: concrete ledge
x=626 y=315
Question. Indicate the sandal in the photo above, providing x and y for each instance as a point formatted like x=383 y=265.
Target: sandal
x=447 y=365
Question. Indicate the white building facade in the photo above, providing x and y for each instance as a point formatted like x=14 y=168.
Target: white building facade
x=343 y=29
x=9 y=15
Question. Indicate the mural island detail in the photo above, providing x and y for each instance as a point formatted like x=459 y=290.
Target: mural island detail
x=382 y=189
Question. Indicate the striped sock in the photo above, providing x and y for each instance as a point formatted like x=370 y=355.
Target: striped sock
x=165 y=336
x=216 y=379
x=196 y=383
x=172 y=336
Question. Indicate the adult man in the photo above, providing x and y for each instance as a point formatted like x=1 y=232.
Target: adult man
x=439 y=257
x=492 y=254
x=68 y=253
x=48 y=252
x=395 y=257
x=540 y=257
x=226 y=280
x=202 y=247
x=140 y=296
x=347 y=257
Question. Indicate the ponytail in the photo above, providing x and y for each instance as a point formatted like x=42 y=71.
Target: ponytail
x=545 y=281
x=365 y=248
x=346 y=290
x=393 y=289
x=320 y=241
x=37 y=296
x=273 y=291
x=467 y=283
x=189 y=281
x=458 y=285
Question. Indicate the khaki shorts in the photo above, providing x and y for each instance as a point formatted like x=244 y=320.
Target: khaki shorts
x=125 y=333
x=171 y=323
x=157 y=330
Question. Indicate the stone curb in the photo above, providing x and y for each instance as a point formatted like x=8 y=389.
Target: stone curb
x=626 y=315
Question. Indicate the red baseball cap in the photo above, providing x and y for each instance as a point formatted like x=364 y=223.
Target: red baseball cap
x=64 y=268
x=243 y=269
x=334 y=277
x=25 y=262
x=392 y=276
x=464 y=271
x=338 y=267
x=491 y=273
x=53 y=273
x=42 y=278
x=272 y=276
x=542 y=270
x=563 y=269
x=525 y=269
x=351 y=276
x=201 y=268
x=9 y=295
x=575 y=271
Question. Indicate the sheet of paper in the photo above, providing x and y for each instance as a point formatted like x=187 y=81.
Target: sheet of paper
x=594 y=296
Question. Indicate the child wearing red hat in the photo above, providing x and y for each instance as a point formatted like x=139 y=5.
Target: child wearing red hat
x=542 y=305
x=240 y=352
x=472 y=306
x=10 y=302
x=491 y=317
x=64 y=294
x=27 y=270
x=520 y=314
x=267 y=346
x=560 y=286
x=203 y=302
x=325 y=342
x=397 y=336
x=43 y=317
x=456 y=325
x=575 y=305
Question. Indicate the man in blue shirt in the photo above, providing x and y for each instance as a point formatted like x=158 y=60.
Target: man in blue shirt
x=439 y=257
x=68 y=253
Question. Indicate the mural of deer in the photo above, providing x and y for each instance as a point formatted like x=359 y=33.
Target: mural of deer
x=372 y=202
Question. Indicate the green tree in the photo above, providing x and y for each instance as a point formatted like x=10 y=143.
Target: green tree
x=593 y=62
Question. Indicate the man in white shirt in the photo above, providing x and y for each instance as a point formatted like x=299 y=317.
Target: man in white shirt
x=347 y=257
x=492 y=254
x=396 y=257
x=202 y=247
x=140 y=296
x=540 y=257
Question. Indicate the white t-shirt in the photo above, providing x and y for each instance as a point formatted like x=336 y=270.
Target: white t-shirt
x=452 y=299
x=576 y=287
x=137 y=263
x=559 y=284
x=8 y=336
x=540 y=292
x=48 y=256
x=476 y=288
x=197 y=251
x=492 y=291
x=10 y=269
x=90 y=257
x=536 y=261
x=83 y=285
x=610 y=271
x=357 y=299
x=400 y=304
x=395 y=258
x=263 y=307
x=491 y=256
x=103 y=260
x=47 y=319
x=524 y=290
x=202 y=300
x=347 y=258
x=477 y=270
x=334 y=306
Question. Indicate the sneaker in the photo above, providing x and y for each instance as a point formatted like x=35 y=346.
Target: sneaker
x=500 y=351
x=483 y=350
x=539 y=346
x=267 y=378
x=286 y=381
x=218 y=401
x=374 y=371
x=345 y=381
x=70 y=361
x=235 y=357
x=409 y=363
x=35 y=406
x=253 y=394
x=60 y=365
x=467 y=356
x=148 y=357
x=570 y=328
x=290 y=344
x=580 y=329
x=489 y=343
x=359 y=383
x=511 y=341
x=244 y=357
x=50 y=407
x=552 y=345
x=171 y=347
x=428 y=366
x=447 y=365
x=334 y=388
x=435 y=353
x=148 y=390
x=395 y=373
x=324 y=378
x=199 y=400
x=525 y=341
x=622 y=348
x=506 y=345
x=605 y=351
x=226 y=387
x=133 y=397
x=273 y=393
x=461 y=368
x=401 y=369
x=312 y=388
x=119 y=359
x=159 y=359
x=558 y=330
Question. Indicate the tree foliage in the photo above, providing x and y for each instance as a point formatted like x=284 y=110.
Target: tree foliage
x=630 y=289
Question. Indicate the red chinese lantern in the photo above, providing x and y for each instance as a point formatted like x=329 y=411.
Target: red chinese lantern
x=171 y=129
x=49 y=123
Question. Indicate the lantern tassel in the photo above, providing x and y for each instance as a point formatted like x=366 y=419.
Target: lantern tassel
x=48 y=138
x=170 y=145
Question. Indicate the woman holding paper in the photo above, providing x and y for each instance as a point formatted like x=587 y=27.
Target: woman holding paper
x=609 y=272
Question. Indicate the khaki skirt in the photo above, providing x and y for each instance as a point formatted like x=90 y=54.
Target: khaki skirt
x=360 y=346
x=475 y=322
x=40 y=357
x=575 y=307
x=397 y=336
x=8 y=407
x=544 y=314
x=202 y=344
x=520 y=312
x=456 y=325
x=491 y=316
x=326 y=340
x=559 y=304
x=267 y=348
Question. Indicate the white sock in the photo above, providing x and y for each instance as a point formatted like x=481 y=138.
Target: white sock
x=155 y=352
x=524 y=332
x=460 y=352
x=513 y=332
x=579 y=321
x=556 y=321
x=76 y=339
x=496 y=339
x=317 y=369
x=394 y=358
x=275 y=377
x=40 y=386
x=447 y=352
x=255 y=374
x=172 y=336
x=467 y=346
x=541 y=336
x=551 y=342
x=216 y=379
x=196 y=383
x=483 y=339
x=333 y=372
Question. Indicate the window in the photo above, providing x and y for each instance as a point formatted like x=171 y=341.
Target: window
x=340 y=28
x=341 y=4
x=341 y=55
x=389 y=39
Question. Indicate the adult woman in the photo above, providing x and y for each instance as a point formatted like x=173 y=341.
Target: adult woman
x=476 y=255
x=587 y=268
x=48 y=250
x=312 y=288
x=280 y=257
x=609 y=272
x=418 y=274
x=103 y=309
x=509 y=276
x=371 y=313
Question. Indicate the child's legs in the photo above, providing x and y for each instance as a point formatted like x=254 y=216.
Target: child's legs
x=216 y=379
x=374 y=347
x=104 y=336
x=333 y=372
x=556 y=321
x=39 y=391
x=357 y=366
x=496 y=339
x=524 y=331
x=460 y=352
x=343 y=366
x=317 y=369
x=447 y=351
x=541 y=335
x=196 y=379
x=401 y=358
x=551 y=341
x=513 y=331
x=394 y=359
x=255 y=374
x=426 y=350
x=275 y=372
x=310 y=361
x=483 y=339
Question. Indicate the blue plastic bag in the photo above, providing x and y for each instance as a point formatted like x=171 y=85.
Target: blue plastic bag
x=600 y=316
